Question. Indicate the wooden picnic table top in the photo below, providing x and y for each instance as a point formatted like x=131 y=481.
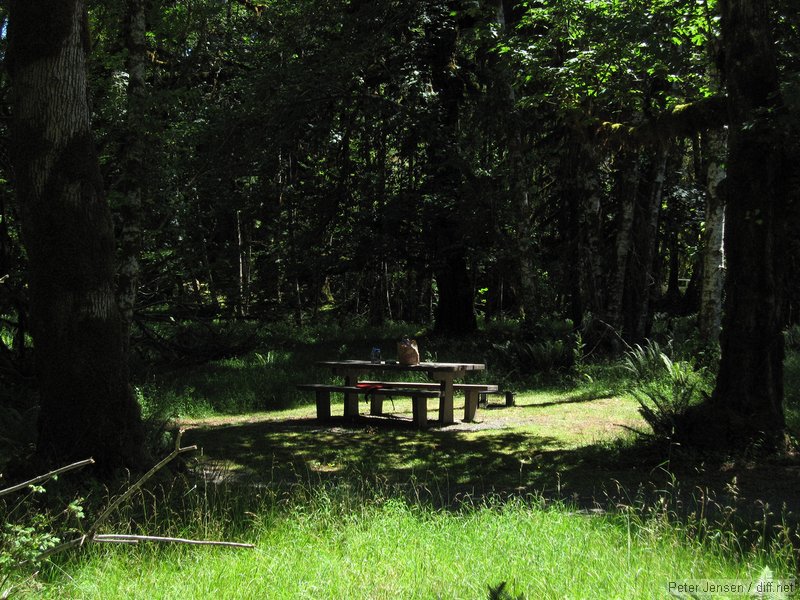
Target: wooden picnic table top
x=441 y=367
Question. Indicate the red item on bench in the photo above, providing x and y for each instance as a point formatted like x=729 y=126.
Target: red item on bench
x=369 y=386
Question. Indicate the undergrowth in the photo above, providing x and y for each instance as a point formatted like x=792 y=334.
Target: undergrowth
x=664 y=388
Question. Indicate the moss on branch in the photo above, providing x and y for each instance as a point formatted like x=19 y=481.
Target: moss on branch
x=685 y=120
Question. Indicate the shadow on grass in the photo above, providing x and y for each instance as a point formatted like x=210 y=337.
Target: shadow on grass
x=589 y=396
x=455 y=462
x=448 y=464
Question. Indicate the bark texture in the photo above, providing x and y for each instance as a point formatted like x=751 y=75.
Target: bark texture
x=628 y=191
x=710 y=317
x=87 y=409
x=640 y=280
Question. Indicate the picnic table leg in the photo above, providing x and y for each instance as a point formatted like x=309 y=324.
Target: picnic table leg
x=323 y=405
x=470 y=405
x=419 y=411
x=446 y=398
x=350 y=400
x=375 y=405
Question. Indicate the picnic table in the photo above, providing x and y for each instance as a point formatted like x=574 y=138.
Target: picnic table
x=443 y=373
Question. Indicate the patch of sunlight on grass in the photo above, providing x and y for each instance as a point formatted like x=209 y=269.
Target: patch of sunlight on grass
x=324 y=549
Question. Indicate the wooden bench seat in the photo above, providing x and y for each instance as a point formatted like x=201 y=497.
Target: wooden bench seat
x=322 y=392
x=472 y=391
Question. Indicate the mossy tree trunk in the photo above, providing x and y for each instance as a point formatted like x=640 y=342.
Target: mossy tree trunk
x=87 y=408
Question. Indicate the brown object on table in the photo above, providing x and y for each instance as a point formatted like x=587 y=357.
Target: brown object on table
x=408 y=352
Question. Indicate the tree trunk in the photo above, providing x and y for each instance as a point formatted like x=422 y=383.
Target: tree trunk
x=518 y=172
x=747 y=404
x=133 y=160
x=581 y=226
x=640 y=281
x=628 y=190
x=713 y=255
x=455 y=313
x=590 y=226
x=243 y=274
x=87 y=408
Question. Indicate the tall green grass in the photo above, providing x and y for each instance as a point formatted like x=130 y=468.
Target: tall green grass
x=349 y=542
x=354 y=535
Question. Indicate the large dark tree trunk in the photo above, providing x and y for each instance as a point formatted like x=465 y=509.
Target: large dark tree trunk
x=455 y=313
x=747 y=404
x=87 y=408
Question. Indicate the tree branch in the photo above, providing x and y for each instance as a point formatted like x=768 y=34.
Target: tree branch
x=134 y=539
x=131 y=490
x=91 y=533
x=46 y=476
x=684 y=120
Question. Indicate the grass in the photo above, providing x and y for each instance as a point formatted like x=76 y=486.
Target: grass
x=264 y=379
x=343 y=542
x=551 y=496
x=520 y=449
x=537 y=496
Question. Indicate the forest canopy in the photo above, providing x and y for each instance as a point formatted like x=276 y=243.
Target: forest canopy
x=443 y=163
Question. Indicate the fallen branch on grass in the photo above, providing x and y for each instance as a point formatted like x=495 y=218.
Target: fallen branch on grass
x=142 y=480
x=135 y=539
x=91 y=534
x=46 y=476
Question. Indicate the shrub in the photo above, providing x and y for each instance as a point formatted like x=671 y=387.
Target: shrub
x=792 y=337
x=552 y=346
x=664 y=389
x=682 y=335
x=27 y=532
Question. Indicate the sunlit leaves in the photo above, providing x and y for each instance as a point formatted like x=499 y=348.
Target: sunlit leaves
x=621 y=56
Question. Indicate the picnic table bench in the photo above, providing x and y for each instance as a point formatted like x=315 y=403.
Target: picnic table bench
x=472 y=392
x=419 y=398
x=442 y=387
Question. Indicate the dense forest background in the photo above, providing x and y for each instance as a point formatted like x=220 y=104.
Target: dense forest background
x=560 y=163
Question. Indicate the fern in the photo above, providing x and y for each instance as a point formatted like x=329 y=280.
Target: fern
x=644 y=363
x=500 y=592
x=666 y=388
